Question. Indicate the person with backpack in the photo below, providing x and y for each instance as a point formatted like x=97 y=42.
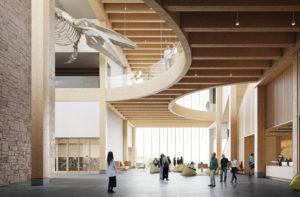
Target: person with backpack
x=165 y=163
x=224 y=162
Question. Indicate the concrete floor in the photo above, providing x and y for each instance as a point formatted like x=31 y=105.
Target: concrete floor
x=140 y=183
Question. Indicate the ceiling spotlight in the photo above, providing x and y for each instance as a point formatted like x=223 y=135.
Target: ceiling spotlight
x=293 y=23
x=237 y=22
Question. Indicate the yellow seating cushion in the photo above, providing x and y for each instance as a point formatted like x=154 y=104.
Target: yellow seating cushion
x=295 y=183
x=188 y=171
x=154 y=169
x=178 y=168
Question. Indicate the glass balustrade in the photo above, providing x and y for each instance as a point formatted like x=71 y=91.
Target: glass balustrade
x=199 y=100
x=150 y=72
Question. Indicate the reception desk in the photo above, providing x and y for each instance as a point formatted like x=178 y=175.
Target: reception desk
x=280 y=172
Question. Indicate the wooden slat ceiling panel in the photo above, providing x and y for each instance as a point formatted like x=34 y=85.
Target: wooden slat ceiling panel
x=222 y=53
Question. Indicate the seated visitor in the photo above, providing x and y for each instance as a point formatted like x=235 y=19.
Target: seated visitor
x=192 y=166
x=155 y=162
x=280 y=159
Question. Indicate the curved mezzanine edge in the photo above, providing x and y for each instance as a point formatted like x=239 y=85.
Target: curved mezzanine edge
x=166 y=79
x=190 y=113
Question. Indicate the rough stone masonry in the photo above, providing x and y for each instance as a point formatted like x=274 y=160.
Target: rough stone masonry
x=15 y=91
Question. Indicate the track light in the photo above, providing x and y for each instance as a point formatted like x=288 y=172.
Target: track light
x=237 y=22
x=293 y=23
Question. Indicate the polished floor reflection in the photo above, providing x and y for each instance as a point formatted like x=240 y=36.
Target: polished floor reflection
x=140 y=183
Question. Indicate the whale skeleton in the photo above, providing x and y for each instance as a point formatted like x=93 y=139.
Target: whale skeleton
x=69 y=30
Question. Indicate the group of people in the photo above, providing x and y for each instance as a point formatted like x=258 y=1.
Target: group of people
x=178 y=161
x=164 y=162
x=223 y=168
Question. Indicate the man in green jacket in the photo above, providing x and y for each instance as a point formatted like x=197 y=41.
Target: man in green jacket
x=213 y=167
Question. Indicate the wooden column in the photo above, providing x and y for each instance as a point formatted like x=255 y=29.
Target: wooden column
x=103 y=113
x=260 y=136
x=233 y=122
x=43 y=88
x=218 y=123
x=125 y=142
x=133 y=147
x=296 y=111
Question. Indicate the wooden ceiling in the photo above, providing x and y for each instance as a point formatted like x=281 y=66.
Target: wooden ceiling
x=137 y=21
x=222 y=53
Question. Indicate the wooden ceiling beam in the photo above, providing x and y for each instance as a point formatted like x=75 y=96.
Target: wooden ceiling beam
x=148 y=34
x=144 y=57
x=142 y=101
x=216 y=81
x=188 y=87
x=232 y=6
x=223 y=73
x=236 y=53
x=135 y=18
x=249 y=22
x=143 y=52
x=172 y=92
x=146 y=61
x=118 y=8
x=230 y=64
x=155 y=96
x=242 y=39
x=151 y=46
x=122 y=1
x=151 y=40
x=141 y=26
x=144 y=110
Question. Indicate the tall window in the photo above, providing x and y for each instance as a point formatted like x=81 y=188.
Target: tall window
x=140 y=145
x=155 y=143
x=196 y=101
x=147 y=144
x=171 y=143
x=179 y=142
x=163 y=140
x=187 y=145
x=195 y=144
x=190 y=143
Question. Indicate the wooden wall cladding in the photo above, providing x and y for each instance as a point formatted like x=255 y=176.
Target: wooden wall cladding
x=280 y=99
x=246 y=112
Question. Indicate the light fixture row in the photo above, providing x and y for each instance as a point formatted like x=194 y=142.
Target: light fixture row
x=237 y=21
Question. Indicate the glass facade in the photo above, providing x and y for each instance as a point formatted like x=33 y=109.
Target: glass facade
x=190 y=143
x=196 y=101
x=74 y=154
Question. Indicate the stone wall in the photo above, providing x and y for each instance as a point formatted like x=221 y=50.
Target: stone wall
x=15 y=91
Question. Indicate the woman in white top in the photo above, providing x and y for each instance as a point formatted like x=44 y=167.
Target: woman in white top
x=233 y=169
x=111 y=172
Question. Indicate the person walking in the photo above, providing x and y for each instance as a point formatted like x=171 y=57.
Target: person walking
x=161 y=166
x=111 y=172
x=233 y=170
x=224 y=162
x=251 y=164
x=174 y=161
x=165 y=163
x=213 y=167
